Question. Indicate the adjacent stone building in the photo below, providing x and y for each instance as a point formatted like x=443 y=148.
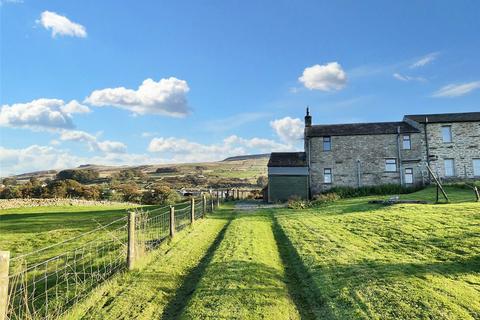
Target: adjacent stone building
x=365 y=154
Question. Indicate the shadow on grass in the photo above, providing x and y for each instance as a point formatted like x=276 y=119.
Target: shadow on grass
x=305 y=294
x=182 y=295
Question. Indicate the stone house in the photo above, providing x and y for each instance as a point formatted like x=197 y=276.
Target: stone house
x=365 y=154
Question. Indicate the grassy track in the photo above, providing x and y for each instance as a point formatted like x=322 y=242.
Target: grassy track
x=360 y=261
x=246 y=278
x=162 y=287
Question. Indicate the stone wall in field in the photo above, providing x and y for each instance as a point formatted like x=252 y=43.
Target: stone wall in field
x=25 y=203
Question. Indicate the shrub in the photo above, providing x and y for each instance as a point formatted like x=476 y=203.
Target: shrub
x=296 y=203
x=386 y=189
x=160 y=194
x=325 y=198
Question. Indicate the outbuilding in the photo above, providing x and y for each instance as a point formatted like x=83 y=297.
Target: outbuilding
x=287 y=176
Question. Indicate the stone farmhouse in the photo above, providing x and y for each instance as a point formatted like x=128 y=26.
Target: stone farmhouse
x=365 y=154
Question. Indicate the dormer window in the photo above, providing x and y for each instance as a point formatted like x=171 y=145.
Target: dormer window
x=327 y=143
x=447 y=134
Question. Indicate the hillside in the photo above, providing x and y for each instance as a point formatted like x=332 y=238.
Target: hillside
x=240 y=171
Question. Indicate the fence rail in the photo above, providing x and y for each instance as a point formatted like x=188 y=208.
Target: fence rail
x=35 y=287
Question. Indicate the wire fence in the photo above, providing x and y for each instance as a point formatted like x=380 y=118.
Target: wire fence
x=46 y=286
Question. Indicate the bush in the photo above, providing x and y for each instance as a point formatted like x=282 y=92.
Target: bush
x=386 y=189
x=325 y=198
x=297 y=203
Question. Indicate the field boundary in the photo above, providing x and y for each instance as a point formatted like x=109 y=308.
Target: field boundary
x=43 y=286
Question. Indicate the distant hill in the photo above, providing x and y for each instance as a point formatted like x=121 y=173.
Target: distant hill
x=248 y=157
x=239 y=171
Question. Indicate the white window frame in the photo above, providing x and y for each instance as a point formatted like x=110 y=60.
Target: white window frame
x=476 y=169
x=389 y=163
x=327 y=140
x=447 y=172
x=449 y=132
x=408 y=175
x=408 y=140
x=327 y=172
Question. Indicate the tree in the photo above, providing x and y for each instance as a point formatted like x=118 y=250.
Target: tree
x=9 y=182
x=262 y=181
x=160 y=194
x=83 y=176
x=130 y=192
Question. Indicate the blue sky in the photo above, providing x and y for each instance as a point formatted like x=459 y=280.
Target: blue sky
x=226 y=77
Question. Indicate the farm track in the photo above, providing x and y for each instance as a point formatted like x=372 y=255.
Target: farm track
x=228 y=267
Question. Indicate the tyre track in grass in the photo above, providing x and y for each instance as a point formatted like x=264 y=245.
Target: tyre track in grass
x=246 y=278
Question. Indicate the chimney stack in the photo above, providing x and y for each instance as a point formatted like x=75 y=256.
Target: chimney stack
x=308 y=119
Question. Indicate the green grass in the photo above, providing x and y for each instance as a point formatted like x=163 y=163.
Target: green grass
x=246 y=277
x=161 y=288
x=344 y=260
x=363 y=261
x=455 y=195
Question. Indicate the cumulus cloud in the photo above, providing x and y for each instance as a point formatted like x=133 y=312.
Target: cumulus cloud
x=94 y=144
x=165 y=97
x=423 y=61
x=456 y=90
x=37 y=114
x=183 y=150
x=328 y=77
x=36 y=157
x=74 y=107
x=290 y=130
x=61 y=25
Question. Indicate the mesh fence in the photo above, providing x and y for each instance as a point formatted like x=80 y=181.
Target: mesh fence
x=46 y=283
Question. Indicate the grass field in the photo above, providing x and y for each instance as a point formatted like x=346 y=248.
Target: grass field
x=345 y=260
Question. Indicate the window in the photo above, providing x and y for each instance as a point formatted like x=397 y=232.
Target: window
x=408 y=175
x=449 y=167
x=447 y=134
x=476 y=167
x=327 y=175
x=407 y=144
x=327 y=143
x=391 y=165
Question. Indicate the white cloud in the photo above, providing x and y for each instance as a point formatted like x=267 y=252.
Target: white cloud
x=328 y=77
x=94 y=144
x=423 y=61
x=35 y=158
x=183 y=150
x=165 y=97
x=288 y=129
x=61 y=25
x=37 y=114
x=406 y=78
x=74 y=107
x=456 y=90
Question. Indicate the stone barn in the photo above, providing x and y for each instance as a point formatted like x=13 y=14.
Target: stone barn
x=287 y=176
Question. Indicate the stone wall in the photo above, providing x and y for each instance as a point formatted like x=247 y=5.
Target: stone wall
x=465 y=147
x=362 y=156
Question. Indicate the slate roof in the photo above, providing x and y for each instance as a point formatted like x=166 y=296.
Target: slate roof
x=445 y=117
x=287 y=159
x=352 y=129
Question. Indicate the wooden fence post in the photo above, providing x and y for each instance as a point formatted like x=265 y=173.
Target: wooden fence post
x=131 y=240
x=4 y=265
x=192 y=210
x=204 y=206
x=172 y=221
x=218 y=199
x=211 y=203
